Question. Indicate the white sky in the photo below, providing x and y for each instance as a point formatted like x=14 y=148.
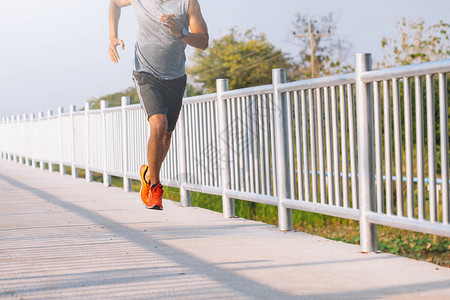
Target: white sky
x=54 y=53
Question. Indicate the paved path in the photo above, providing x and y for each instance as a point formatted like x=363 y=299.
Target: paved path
x=65 y=238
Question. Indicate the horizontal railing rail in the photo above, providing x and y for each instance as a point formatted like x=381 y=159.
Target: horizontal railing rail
x=434 y=67
x=315 y=145
x=315 y=83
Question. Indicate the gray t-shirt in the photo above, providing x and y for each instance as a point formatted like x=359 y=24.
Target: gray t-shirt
x=157 y=51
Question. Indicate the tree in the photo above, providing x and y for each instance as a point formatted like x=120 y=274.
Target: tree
x=330 y=51
x=246 y=59
x=416 y=43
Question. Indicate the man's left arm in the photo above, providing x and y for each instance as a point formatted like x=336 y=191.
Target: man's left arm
x=198 y=36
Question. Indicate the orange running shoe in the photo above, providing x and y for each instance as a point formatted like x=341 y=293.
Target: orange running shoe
x=155 y=197
x=145 y=187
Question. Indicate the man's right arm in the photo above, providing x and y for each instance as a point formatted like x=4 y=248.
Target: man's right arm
x=114 y=16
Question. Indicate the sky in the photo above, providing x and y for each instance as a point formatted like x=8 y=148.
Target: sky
x=54 y=53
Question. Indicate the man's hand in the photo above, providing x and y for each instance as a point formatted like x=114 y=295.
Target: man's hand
x=114 y=42
x=171 y=22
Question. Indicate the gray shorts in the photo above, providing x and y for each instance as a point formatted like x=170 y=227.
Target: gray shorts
x=159 y=96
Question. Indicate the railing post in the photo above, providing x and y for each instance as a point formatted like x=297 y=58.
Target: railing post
x=17 y=150
x=62 y=168
x=17 y=154
x=126 y=180
x=7 y=147
x=106 y=176
x=282 y=166
x=24 y=158
x=8 y=152
x=2 y=121
x=227 y=202
x=11 y=149
x=31 y=133
x=12 y=121
x=72 y=109
x=5 y=150
x=14 y=153
x=4 y=147
x=14 y=144
x=89 y=175
x=41 y=141
x=50 y=164
x=16 y=120
x=32 y=153
x=366 y=164
x=185 y=195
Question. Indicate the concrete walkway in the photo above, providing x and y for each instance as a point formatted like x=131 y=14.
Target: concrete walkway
x=66 y=238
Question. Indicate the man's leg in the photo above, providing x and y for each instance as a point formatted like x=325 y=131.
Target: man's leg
x=157 y=147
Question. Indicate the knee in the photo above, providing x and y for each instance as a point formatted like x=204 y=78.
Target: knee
x=158 y=125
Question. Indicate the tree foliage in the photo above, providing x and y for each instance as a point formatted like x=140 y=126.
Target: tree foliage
x=245 y=59
x=416 y=43
x=331 y=51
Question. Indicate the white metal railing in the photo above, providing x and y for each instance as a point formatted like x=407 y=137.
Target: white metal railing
x=422 y=208
x=316 y=145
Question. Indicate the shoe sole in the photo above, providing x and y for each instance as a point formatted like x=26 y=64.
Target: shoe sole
x=156 y=207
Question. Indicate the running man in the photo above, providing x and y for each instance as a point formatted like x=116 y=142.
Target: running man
x=164 y=28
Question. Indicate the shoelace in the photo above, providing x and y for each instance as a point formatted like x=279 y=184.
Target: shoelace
x=156 y=192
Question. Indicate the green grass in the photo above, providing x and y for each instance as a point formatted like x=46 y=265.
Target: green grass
x=405 y=243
